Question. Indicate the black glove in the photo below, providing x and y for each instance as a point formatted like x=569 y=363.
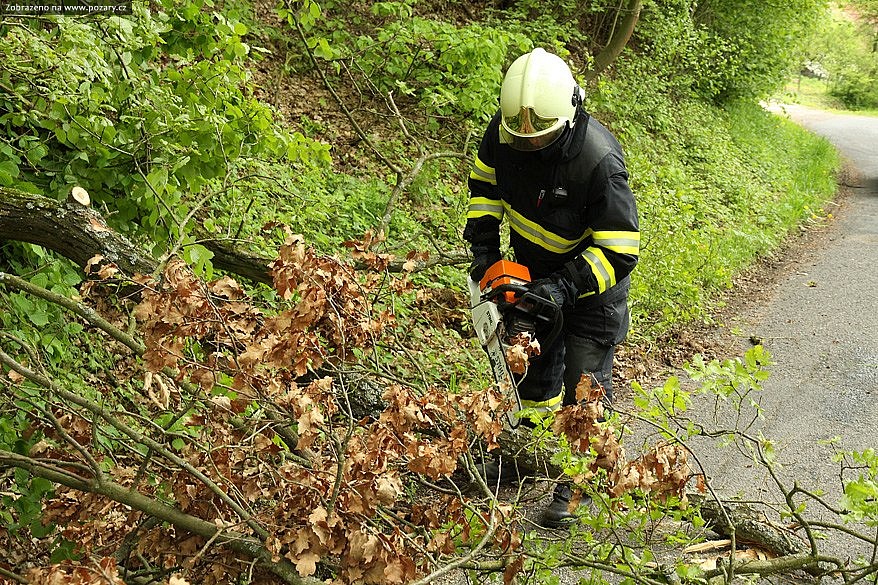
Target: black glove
x=558 y=290
x=481 y=263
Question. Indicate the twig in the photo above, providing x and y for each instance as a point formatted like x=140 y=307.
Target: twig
x=93 y=465
x=489 y=534
x=13 y=576
x=387 y=162
x=99 y=411
x=118 y=493
x=404 y=180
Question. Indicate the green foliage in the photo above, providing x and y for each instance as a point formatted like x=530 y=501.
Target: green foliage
x=733 y=379
x=759 y=42
x=736 y=381
x=149 y=113
x=860 y=498
x=857 y=86
x=846 y=49
x=446 y=70
x=730 y=185
x=23 y=506
x=842 y=52
x=724 y=50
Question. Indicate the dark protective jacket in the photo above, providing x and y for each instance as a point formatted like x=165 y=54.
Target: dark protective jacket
x=570 y=210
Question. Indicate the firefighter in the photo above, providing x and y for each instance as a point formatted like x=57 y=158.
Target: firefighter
x=558 y=177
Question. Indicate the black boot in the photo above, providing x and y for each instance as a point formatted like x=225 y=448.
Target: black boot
x=496 y=473
x=558 y=514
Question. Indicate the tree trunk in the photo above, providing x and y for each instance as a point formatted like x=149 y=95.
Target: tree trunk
x=69 y=228
x=79 y=232
x=619 y=37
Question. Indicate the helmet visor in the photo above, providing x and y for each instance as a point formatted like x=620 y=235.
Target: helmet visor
x=529 y=131
x=528 y=123
x=529 y=143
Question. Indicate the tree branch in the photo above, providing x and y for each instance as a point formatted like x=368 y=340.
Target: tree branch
x=78 y=233
x=74 y=307
x=618 y=39
x=118 y=493
x=787 y=563
x=406 y=180
x=152 y=444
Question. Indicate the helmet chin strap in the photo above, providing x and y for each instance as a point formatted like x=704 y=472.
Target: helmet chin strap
x=576 y=100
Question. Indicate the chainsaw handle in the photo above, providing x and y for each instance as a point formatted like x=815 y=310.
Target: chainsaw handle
x=518 y=289
x=524 y=295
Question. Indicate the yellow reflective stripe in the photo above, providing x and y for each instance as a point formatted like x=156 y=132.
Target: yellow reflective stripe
x=621 y=242
x=601 y=267
x=482 y=172
x=482 y=206
x=544 y=405
x=540 y=236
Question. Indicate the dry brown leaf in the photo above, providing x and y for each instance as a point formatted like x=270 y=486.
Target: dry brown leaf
x=517 y=359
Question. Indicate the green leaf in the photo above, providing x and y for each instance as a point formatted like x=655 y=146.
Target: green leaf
x=40 y=530
x=39 y=318
x=240 y=49
x=158 y=178
x=323 y=50
x=8 y=172
x=36 y=154
x=64 y=552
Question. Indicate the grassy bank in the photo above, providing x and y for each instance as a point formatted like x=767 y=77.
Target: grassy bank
x=717 y=189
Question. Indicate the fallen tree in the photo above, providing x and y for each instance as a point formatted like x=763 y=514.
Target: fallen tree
x=79 y=232
x=246 y=416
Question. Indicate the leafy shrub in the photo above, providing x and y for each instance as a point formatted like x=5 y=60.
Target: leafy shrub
x=149 y=113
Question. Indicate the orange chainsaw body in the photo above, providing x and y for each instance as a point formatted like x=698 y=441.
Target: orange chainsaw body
x=505 y=272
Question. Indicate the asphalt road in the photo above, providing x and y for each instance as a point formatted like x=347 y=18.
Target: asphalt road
x=820 y=324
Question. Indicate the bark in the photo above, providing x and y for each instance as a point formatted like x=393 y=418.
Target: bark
x=530 y=460
x=75 y=231
x=619 y=38
x=749 y=526
x=78 y=233
x=236 y=261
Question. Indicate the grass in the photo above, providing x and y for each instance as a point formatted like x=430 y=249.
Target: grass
x=814 y=93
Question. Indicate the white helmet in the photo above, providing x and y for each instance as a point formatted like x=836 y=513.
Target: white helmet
x=538 y=98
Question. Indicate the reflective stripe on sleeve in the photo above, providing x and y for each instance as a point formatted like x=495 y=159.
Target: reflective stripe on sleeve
x=482 y=206
x=601 y=267
x=482 y=172
x=621 y=242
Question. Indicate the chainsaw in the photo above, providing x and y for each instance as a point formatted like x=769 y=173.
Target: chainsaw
x=503 y=308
